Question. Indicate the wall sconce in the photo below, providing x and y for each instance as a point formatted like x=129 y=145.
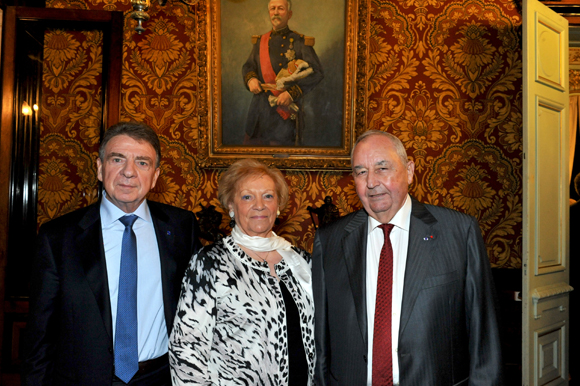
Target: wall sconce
x=140 y=14
x=140 y=8
x=26 y=110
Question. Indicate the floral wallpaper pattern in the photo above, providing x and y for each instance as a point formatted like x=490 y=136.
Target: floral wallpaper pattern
x=70 y=120
x=574 y=72
x=444 y=76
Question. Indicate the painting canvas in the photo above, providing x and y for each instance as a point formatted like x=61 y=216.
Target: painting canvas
x=323 y=105
x=327 y=108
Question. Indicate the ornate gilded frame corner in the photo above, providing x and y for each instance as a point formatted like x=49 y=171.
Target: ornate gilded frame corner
x=212 y=153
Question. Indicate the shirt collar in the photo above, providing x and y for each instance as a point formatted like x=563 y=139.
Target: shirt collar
x=402 y=218
x=282 y=31
x=111 y=213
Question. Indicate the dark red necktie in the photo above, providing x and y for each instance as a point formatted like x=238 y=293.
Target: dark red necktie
x=382 y=348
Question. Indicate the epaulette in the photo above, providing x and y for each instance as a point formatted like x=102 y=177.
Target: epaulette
x=299 y=34
x=308 y=40
x=255 y=38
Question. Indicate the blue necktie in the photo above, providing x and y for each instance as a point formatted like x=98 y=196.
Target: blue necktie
x=126 y=349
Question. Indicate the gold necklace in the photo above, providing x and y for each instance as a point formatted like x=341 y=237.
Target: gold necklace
x=264 y=259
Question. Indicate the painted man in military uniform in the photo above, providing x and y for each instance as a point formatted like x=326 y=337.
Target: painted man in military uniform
x=271 y=121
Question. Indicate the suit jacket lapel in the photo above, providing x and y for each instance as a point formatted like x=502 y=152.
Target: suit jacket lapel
x=419 y=255
x=165 y=234
x=354 y=246
x=90 y=245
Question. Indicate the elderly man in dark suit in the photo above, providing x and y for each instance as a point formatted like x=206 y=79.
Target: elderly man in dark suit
x=107 y=277
x=403 y=290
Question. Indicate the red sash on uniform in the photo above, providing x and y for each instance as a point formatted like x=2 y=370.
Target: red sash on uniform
x=268 y=72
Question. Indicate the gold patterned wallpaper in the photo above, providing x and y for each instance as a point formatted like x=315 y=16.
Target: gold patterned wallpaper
x=70 y=120
x=574 y=72
x=443 y=76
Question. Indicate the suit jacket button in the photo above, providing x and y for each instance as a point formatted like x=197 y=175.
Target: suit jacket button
x=365 y=358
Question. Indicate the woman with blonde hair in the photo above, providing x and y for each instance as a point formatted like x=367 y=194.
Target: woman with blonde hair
x=246 y=312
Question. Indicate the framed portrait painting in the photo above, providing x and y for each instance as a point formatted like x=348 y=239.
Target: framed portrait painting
x=317 y=59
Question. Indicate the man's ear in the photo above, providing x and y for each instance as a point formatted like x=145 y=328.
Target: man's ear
x=155 y=177
x=99 y=169
x=410 y=171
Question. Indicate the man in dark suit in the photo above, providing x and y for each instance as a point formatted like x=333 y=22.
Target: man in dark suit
x=107 y=277
x=272 y=121
x=433 y=322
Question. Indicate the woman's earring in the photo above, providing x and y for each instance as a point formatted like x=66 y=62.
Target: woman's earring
x=232 y=221
x=278 y=213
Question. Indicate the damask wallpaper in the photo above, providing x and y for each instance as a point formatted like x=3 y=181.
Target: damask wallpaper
x=444 y=76
x=70 y=120
x=574 y=72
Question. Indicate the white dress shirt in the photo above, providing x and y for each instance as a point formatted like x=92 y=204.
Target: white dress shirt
x=400 y=241
x=152 y=330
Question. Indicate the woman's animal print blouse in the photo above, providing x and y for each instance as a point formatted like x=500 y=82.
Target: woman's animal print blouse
x=230 y=326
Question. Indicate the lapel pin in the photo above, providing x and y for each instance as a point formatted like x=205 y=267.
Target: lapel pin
x=168 y=233
x=428 y=238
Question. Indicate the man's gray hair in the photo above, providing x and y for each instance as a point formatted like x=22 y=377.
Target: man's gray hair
x=399 y=147
x=140 y=132
x=289 y=2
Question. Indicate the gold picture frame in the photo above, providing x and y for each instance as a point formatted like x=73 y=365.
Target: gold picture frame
x=214 y=65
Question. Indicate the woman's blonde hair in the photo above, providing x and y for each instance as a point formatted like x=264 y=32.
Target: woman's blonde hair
x=246 y=168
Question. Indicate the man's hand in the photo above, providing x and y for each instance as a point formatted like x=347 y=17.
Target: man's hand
x=254 y=86
x=284 y=99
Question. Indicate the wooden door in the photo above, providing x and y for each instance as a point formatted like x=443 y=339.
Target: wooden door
x=546 y=197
